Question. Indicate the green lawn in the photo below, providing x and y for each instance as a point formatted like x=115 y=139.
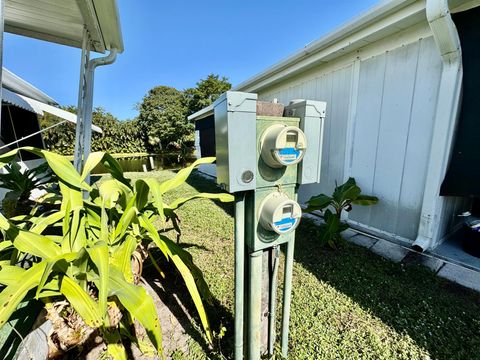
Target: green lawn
x=347 y=304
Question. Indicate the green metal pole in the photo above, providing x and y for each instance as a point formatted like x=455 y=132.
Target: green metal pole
x=287 y=295
x=254 y=305
x=273 y=300
x=239 y=272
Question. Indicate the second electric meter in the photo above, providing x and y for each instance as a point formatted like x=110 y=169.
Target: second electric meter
x=283 y=145
x=279 y=213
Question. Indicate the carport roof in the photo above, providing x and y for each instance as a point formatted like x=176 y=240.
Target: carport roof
x=63 y=21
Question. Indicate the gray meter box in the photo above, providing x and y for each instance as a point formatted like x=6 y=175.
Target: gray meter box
x=312 y=118
x=235 y=139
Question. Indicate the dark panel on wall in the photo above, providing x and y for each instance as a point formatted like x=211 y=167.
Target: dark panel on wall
x=463 y=174
x=206 y=127
x=16 y=124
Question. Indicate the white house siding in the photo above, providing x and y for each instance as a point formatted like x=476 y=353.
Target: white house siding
x=396 y=104
x=380 y=114
x=334 y=88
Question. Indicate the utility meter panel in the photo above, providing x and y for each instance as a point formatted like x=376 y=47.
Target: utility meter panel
x=235 y=140
x=281 y=146
x=312 y=118
x=277 y=214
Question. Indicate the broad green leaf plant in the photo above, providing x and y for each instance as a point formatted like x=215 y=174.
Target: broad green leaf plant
x=81 y=252
x=20 y=183
x=332 y=207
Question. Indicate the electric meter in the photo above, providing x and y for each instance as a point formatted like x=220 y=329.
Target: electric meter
x=283 y=145
x=279 y=213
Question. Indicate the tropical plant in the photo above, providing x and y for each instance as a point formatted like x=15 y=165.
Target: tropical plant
x=342 y=199
x=21 y=183
x=82 y=254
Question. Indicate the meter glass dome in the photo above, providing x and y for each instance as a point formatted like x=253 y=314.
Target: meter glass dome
x=283 y=145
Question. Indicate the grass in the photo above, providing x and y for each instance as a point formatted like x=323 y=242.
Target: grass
x=347 y=304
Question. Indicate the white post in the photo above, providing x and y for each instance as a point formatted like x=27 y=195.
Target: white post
x=88 y=109
x=80 y=127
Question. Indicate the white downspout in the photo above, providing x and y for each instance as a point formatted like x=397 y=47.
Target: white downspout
x=448 y=43
x=92 y=65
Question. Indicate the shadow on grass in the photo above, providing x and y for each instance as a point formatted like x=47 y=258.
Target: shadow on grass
x=188 y=246
x=174 y=294
x=438 y=315
x=204 y=184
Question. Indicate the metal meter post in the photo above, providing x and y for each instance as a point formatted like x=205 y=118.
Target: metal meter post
x=263 y=159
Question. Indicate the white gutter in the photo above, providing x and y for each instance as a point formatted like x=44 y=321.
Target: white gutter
x=448 y=42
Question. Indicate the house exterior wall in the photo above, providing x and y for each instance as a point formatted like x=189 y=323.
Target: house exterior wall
x=381 y=105
x=333 y=88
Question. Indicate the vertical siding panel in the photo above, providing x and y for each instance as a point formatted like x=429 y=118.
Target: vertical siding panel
x=367 y=123
x=419 y=139
x=324 y=91
x=310 y=88
x=392 y=140
x=333 y=88
x=283 y=96
x=340 y=106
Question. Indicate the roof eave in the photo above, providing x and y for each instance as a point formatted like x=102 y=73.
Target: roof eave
x=201 y=114
x=348 y=37
x=99 y=17
x=109 y=20
x=380 y=21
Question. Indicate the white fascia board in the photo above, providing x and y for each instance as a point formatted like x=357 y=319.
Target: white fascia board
x=201 y=114
x=102 y=17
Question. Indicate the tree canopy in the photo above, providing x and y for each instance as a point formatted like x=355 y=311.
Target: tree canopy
x=206 y=92
x=162 y=122
x=163 y=111
x=116 y=137
x=163 y=117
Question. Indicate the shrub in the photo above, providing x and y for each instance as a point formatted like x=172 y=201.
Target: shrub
x=342 y=199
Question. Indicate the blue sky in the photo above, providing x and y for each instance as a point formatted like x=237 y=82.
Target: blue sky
x=176 y=43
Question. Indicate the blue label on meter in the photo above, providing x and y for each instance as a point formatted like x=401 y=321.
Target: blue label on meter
x=289 y=154
x=285 y=224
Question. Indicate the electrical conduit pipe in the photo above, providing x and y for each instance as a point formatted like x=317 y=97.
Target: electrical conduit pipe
x=239 y=272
